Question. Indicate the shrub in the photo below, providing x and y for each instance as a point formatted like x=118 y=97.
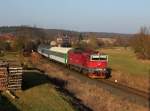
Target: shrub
x=141 y=43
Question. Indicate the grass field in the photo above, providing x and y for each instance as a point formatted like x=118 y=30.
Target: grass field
x=10 y=56
x=127 y=69
x=37 y=95
x=125 y=61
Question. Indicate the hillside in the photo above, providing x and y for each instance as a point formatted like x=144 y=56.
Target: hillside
x=53 y=32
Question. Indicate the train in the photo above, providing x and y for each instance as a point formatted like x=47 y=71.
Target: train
x=92 y=63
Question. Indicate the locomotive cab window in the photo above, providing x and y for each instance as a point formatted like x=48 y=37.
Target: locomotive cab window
x=95 y=57
x=103 y=57
x=98 y=57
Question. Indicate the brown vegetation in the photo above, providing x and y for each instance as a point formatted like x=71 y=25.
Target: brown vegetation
x=141 y=43
x=123 y=42
x=92 y=96
x=89 y=43
x=35 y=57
x=135 y=81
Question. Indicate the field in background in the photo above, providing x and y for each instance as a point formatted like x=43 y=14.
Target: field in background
x=126 y=68
x=125 y=60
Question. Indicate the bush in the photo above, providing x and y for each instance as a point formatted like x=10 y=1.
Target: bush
x=91 y=43
x=2 y=53
x=122 y=41
x=141 y=43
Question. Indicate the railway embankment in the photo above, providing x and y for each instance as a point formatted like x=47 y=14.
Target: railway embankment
x=94 y=95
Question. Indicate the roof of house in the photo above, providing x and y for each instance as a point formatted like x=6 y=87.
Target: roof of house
x=7 y=37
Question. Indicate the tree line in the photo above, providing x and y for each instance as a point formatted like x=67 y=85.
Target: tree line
x=26 y=39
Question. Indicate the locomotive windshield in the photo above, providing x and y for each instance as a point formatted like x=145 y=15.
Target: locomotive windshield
x=98 y=57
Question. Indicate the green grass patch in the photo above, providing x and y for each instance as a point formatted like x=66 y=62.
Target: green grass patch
x=10 y=56
x=39 y=95
x=125 y=60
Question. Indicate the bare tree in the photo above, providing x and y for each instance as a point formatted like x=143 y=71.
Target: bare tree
x=141 y=43
x=93 y=42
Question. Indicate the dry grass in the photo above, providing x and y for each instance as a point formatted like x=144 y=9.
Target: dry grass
x=138 y=82
x=127 y=69
x=99 y=99
x=96 y=98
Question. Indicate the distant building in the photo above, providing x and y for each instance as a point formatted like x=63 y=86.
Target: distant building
x=7 y=37
x=66 y=41
x=107 y=40
x=63 y=40
x=59 y=41
x=53 y=43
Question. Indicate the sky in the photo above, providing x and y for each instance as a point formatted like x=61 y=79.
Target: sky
x=119 y=16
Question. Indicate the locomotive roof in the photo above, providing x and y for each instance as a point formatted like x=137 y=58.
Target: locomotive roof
x=60 y=49
x=81 y=50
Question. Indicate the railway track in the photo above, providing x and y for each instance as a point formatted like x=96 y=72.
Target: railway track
x=138 y=92
x=117 y=89
x=123 y=91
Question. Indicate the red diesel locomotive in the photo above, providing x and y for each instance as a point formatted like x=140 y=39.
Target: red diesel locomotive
x=90 y=62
